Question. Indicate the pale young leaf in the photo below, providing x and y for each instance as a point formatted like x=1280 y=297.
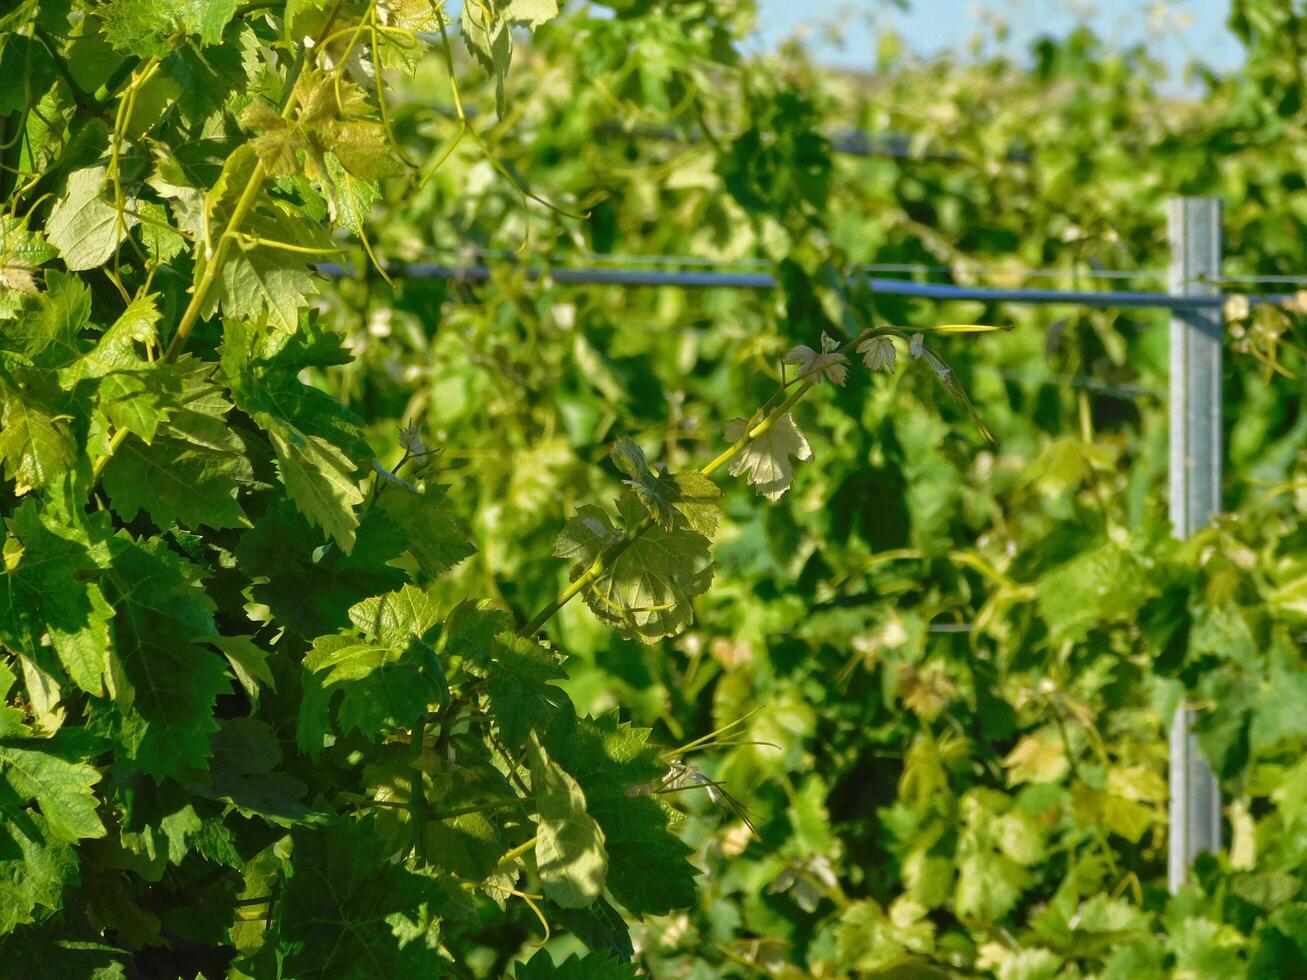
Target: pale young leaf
x=878 y=354
x=829 y=363
x=1040 y=757
x=766 y=459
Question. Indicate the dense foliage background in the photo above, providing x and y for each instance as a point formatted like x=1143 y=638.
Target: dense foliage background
x=257 y=720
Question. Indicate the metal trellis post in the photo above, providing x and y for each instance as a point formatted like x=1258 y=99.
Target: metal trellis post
x=1194 y=224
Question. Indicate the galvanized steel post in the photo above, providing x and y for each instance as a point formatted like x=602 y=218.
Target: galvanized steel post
x=1194 y=224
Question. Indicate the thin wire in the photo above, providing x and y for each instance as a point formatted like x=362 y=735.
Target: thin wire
x=1255 y=280
x=906 y=268
x=697 y=279
x=1124 y=392
x=887 y=268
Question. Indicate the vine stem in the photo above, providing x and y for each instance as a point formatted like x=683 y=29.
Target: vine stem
x=610 y=554
x=191 y=315
x=417 y=793
x=518 y=851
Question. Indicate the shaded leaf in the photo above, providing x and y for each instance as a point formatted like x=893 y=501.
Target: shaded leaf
x=569 y=848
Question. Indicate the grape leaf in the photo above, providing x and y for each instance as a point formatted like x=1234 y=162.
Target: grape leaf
x=244 y=772
x=48 y=592
x=39 y=772
x=1104 y=584
x=569 y=848
x=485 y=25
x=331 y=115
x=319 y=478
x=159 y=614
x=312 y=597
x=436 y=539
x=396 y=618
x=602 y=928
x=345 y=904
x=34 y=870
x=766 y=459
x=54 y=951
x=469 y=634
x=148 y=28
x=249 y=662
x=385 y=670
x=258 y=280
x=139 y=400
x=691 y=495
x=85 y=227
x=316 y=441
x=192 y=471
x=47 y=333
x=647 y=589
x=35 y=442
x=521 y=696
x=647 y=868
x=596 y=966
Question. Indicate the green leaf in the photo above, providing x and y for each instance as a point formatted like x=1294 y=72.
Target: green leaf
x=386 y=672
x=399 y=617
x=118 y=347
x=40 y=773
x=469 y=635
x=1281 y=949
x=48 y=330
x=249 y=662
x=259 y=281
x=363 y=149
x=869 y=940
x=532 y=13
x=602 y=928
x=317 y=442
x=313 y=596
x=521 y=697
x=1107 y=583
x=647 y=868
x=436 y=538
x=35 y=442
x=469 y=845
x=148 y=28
x=653 y=490
x=54 y=951
x=321 y=480
x=765 y=461
x=86 y=228
x=697 y=499
x=1280 y=711
x=595 y=966
x=1204 y=948
x=346 y=902
x=691 y=495
x=569 y=848
x=1039 y=757
x=192 y=470
x=159 y=615
x=47 y=591
x=990 y=879
x=34 y=870
x=244 y=771
x=488 y=38
x=646 y=591
x=138 y=401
